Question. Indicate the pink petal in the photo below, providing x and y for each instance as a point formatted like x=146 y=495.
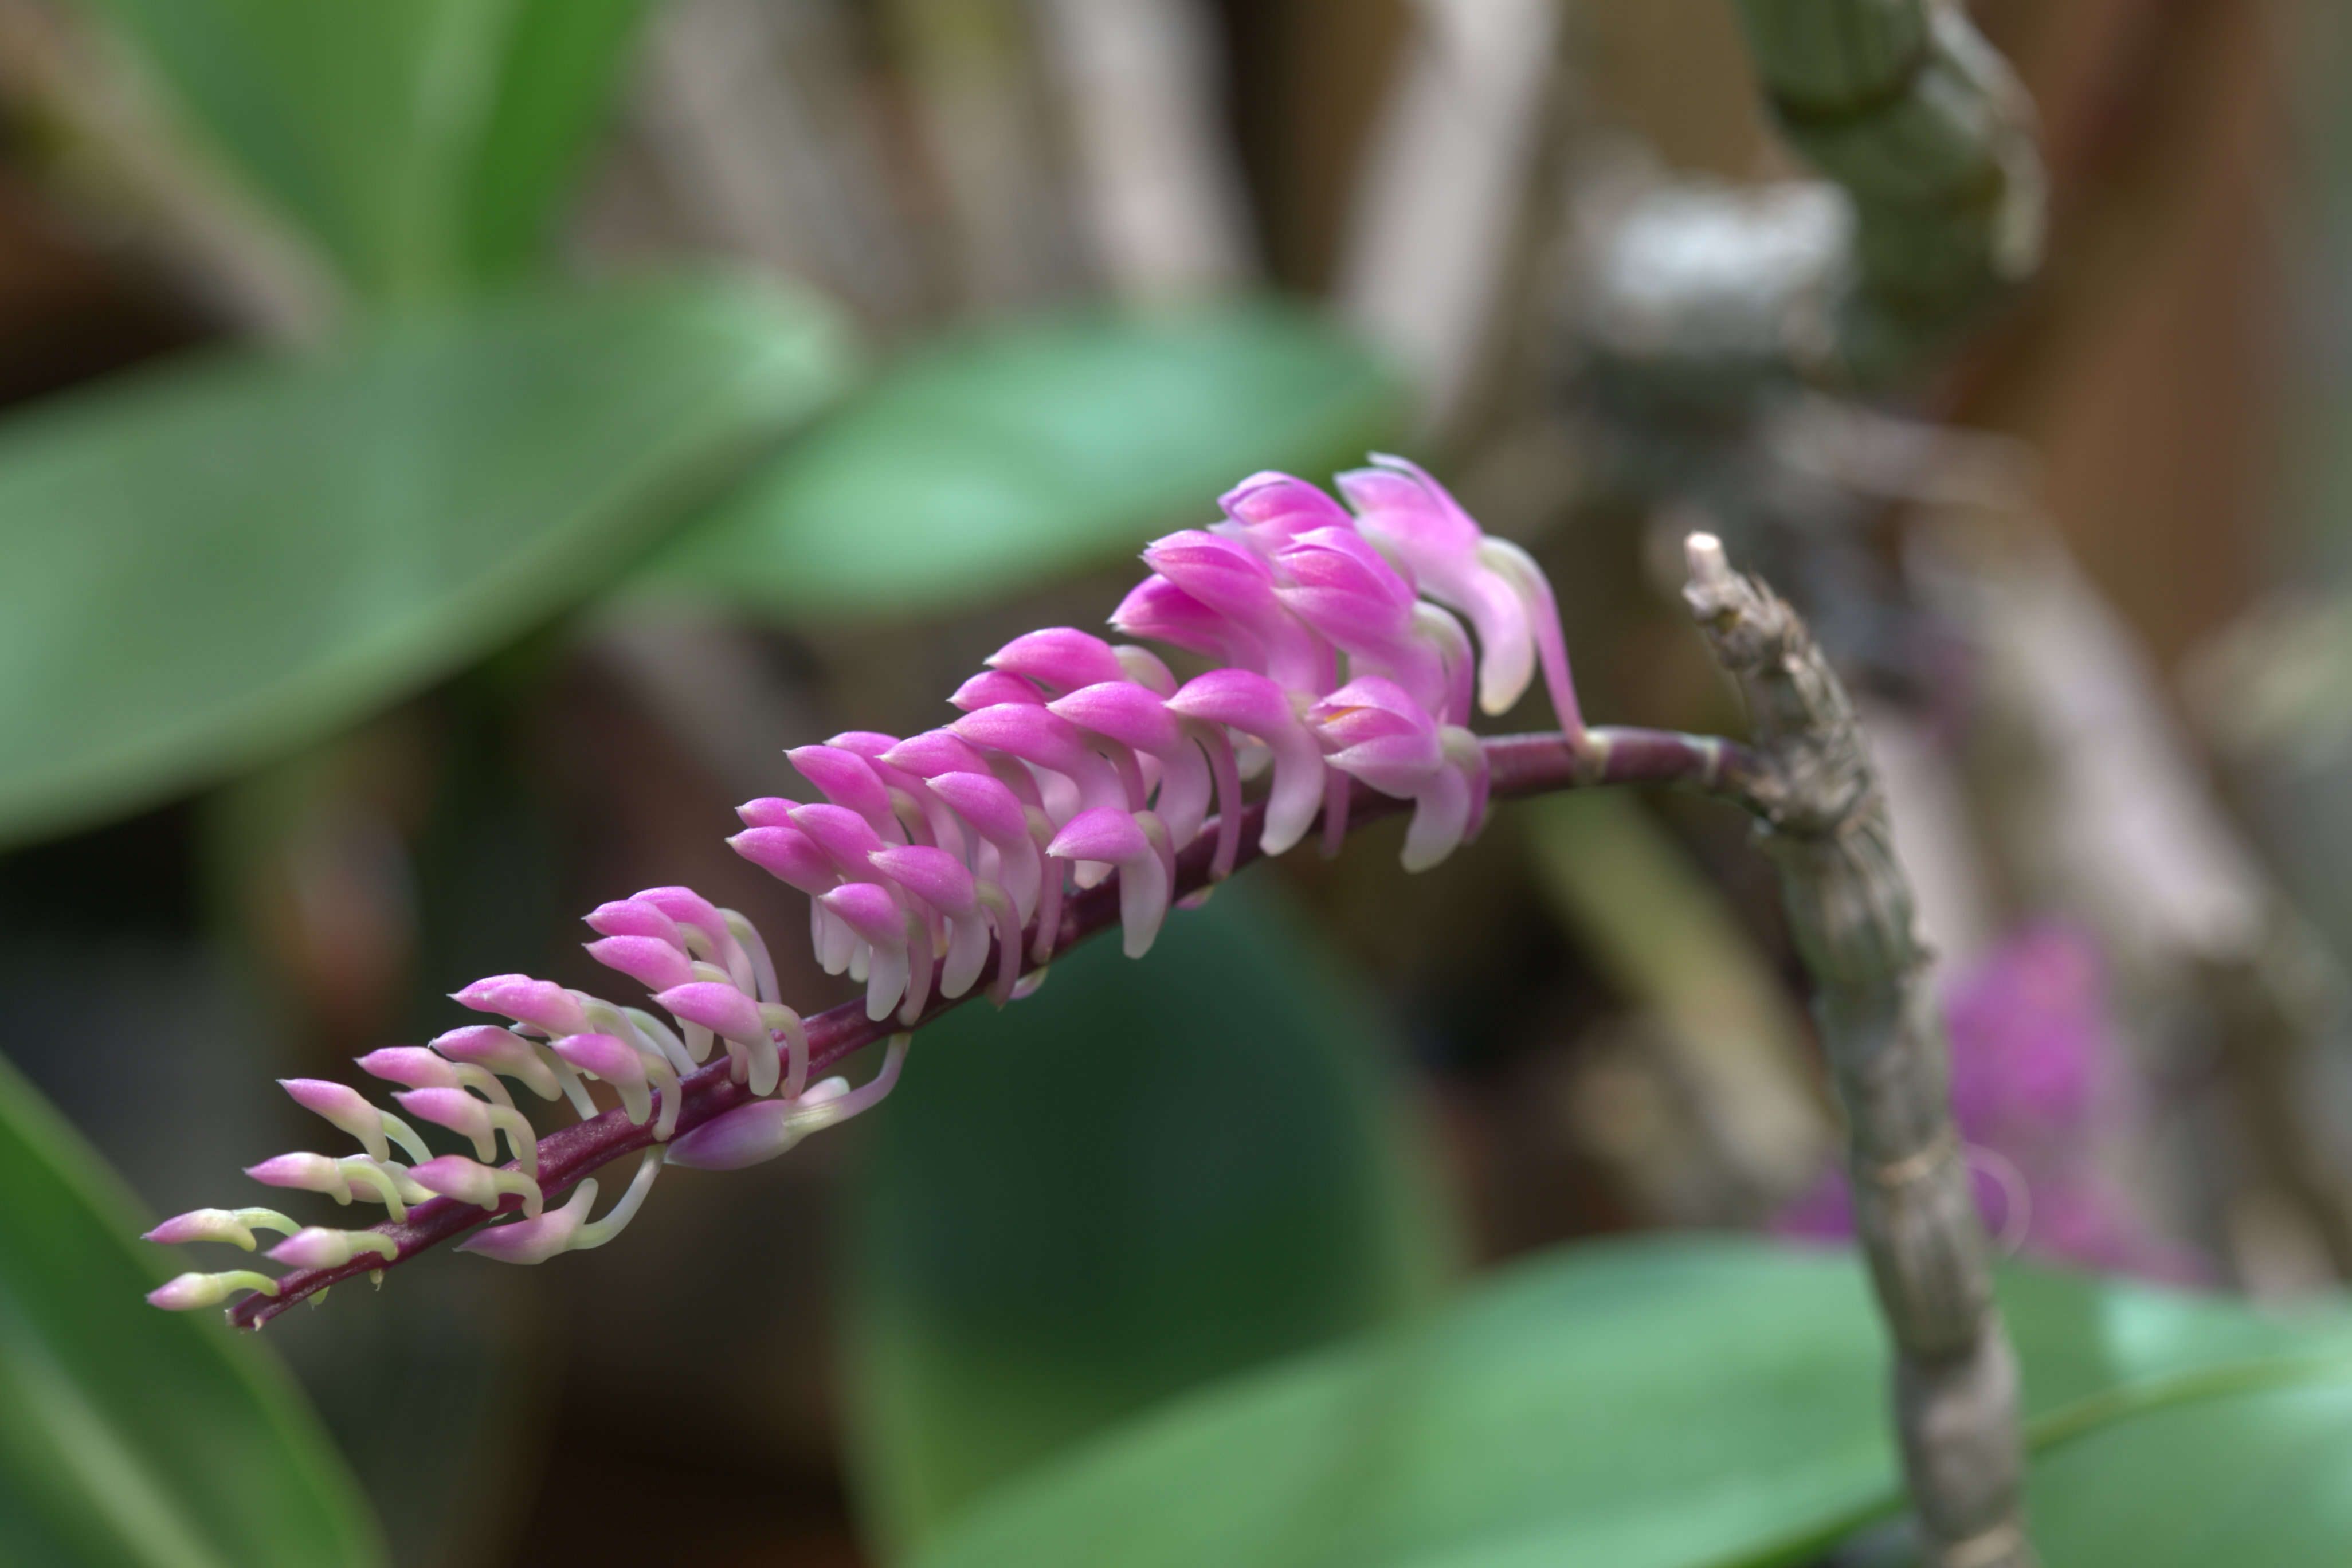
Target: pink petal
x=607 y=1056
x=1111 y=837
x=934 y=876
x=721 y=1009
x=413 y=1065
x=1257 y=707
x=870 y=911
x=768 y=811
x=540 y=1004
x=849 y=780
x=846 y=838
x=1060 y=658
x=631 y=917
x=1159 y=609
x=787 y=853
x=650 y=961
x=991 y=687
x=1276 y=507
x=1123 y=712
x=502 y=1052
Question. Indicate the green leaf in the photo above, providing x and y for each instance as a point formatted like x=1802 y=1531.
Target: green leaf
x=130 y=1435
x=1146 y=1176
x=1653 y=1404
x=2256 y=1479
x=420 y=145
x=211 y=564
x=561 y=64
x=1018 y=453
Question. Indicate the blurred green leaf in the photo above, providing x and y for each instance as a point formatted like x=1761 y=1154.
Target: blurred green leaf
x=2256 y=1479
x=213 y=564
x=1641 y=1405
x=130 y=1435
x=560 y=70
x=1147 y=1176
x=422 y=145
x=1014 y=454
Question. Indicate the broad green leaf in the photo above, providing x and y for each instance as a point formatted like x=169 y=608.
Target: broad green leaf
x=2253 y=1479
x=1148 y=1175
x=1019 y=452
x=130 y=1435
x=1652 y=1405
x=559 y=71
x=420 y=145
x=209 y=564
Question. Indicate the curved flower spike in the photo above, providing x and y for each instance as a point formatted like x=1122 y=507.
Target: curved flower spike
x=539 y=1005
x=509 y=1054
x=1235 y=581
x=1495 y=583
x=235 y=1226
x=1376 y=732
x=849 y=780
x=991 y=687
x=186 y=1291
x=1138 y=847
x=874 y=915
x=561 y=1229
x=1257 y=707
x=483 y=1187
x=477 y=1121
x=650 y=961
x=618 y=1063
x=1160 y=610
x=759 y=1131
x=316 y=1246
x=634 y=917
x=350 y=1111
x=736 y=1018
x=1059 y=658
x=414 y=1067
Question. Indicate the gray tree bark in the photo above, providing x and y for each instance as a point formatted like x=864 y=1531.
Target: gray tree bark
x=1823 y=820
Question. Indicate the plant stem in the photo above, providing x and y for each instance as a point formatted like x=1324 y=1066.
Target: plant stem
x=1519 y=765
x=1927 y=128
x=1824 y=820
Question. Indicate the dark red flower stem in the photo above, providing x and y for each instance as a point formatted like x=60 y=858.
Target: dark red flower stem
x=1519 y=764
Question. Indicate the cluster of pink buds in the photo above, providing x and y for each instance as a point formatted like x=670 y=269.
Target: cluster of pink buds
x=1072 y=759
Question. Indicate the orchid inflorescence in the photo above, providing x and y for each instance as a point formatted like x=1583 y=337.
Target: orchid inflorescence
x=1073 y=759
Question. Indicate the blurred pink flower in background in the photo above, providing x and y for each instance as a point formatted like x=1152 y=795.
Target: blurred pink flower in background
x=2039 y=1084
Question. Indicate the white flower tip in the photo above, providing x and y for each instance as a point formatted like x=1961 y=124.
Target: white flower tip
x=1708 y=566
